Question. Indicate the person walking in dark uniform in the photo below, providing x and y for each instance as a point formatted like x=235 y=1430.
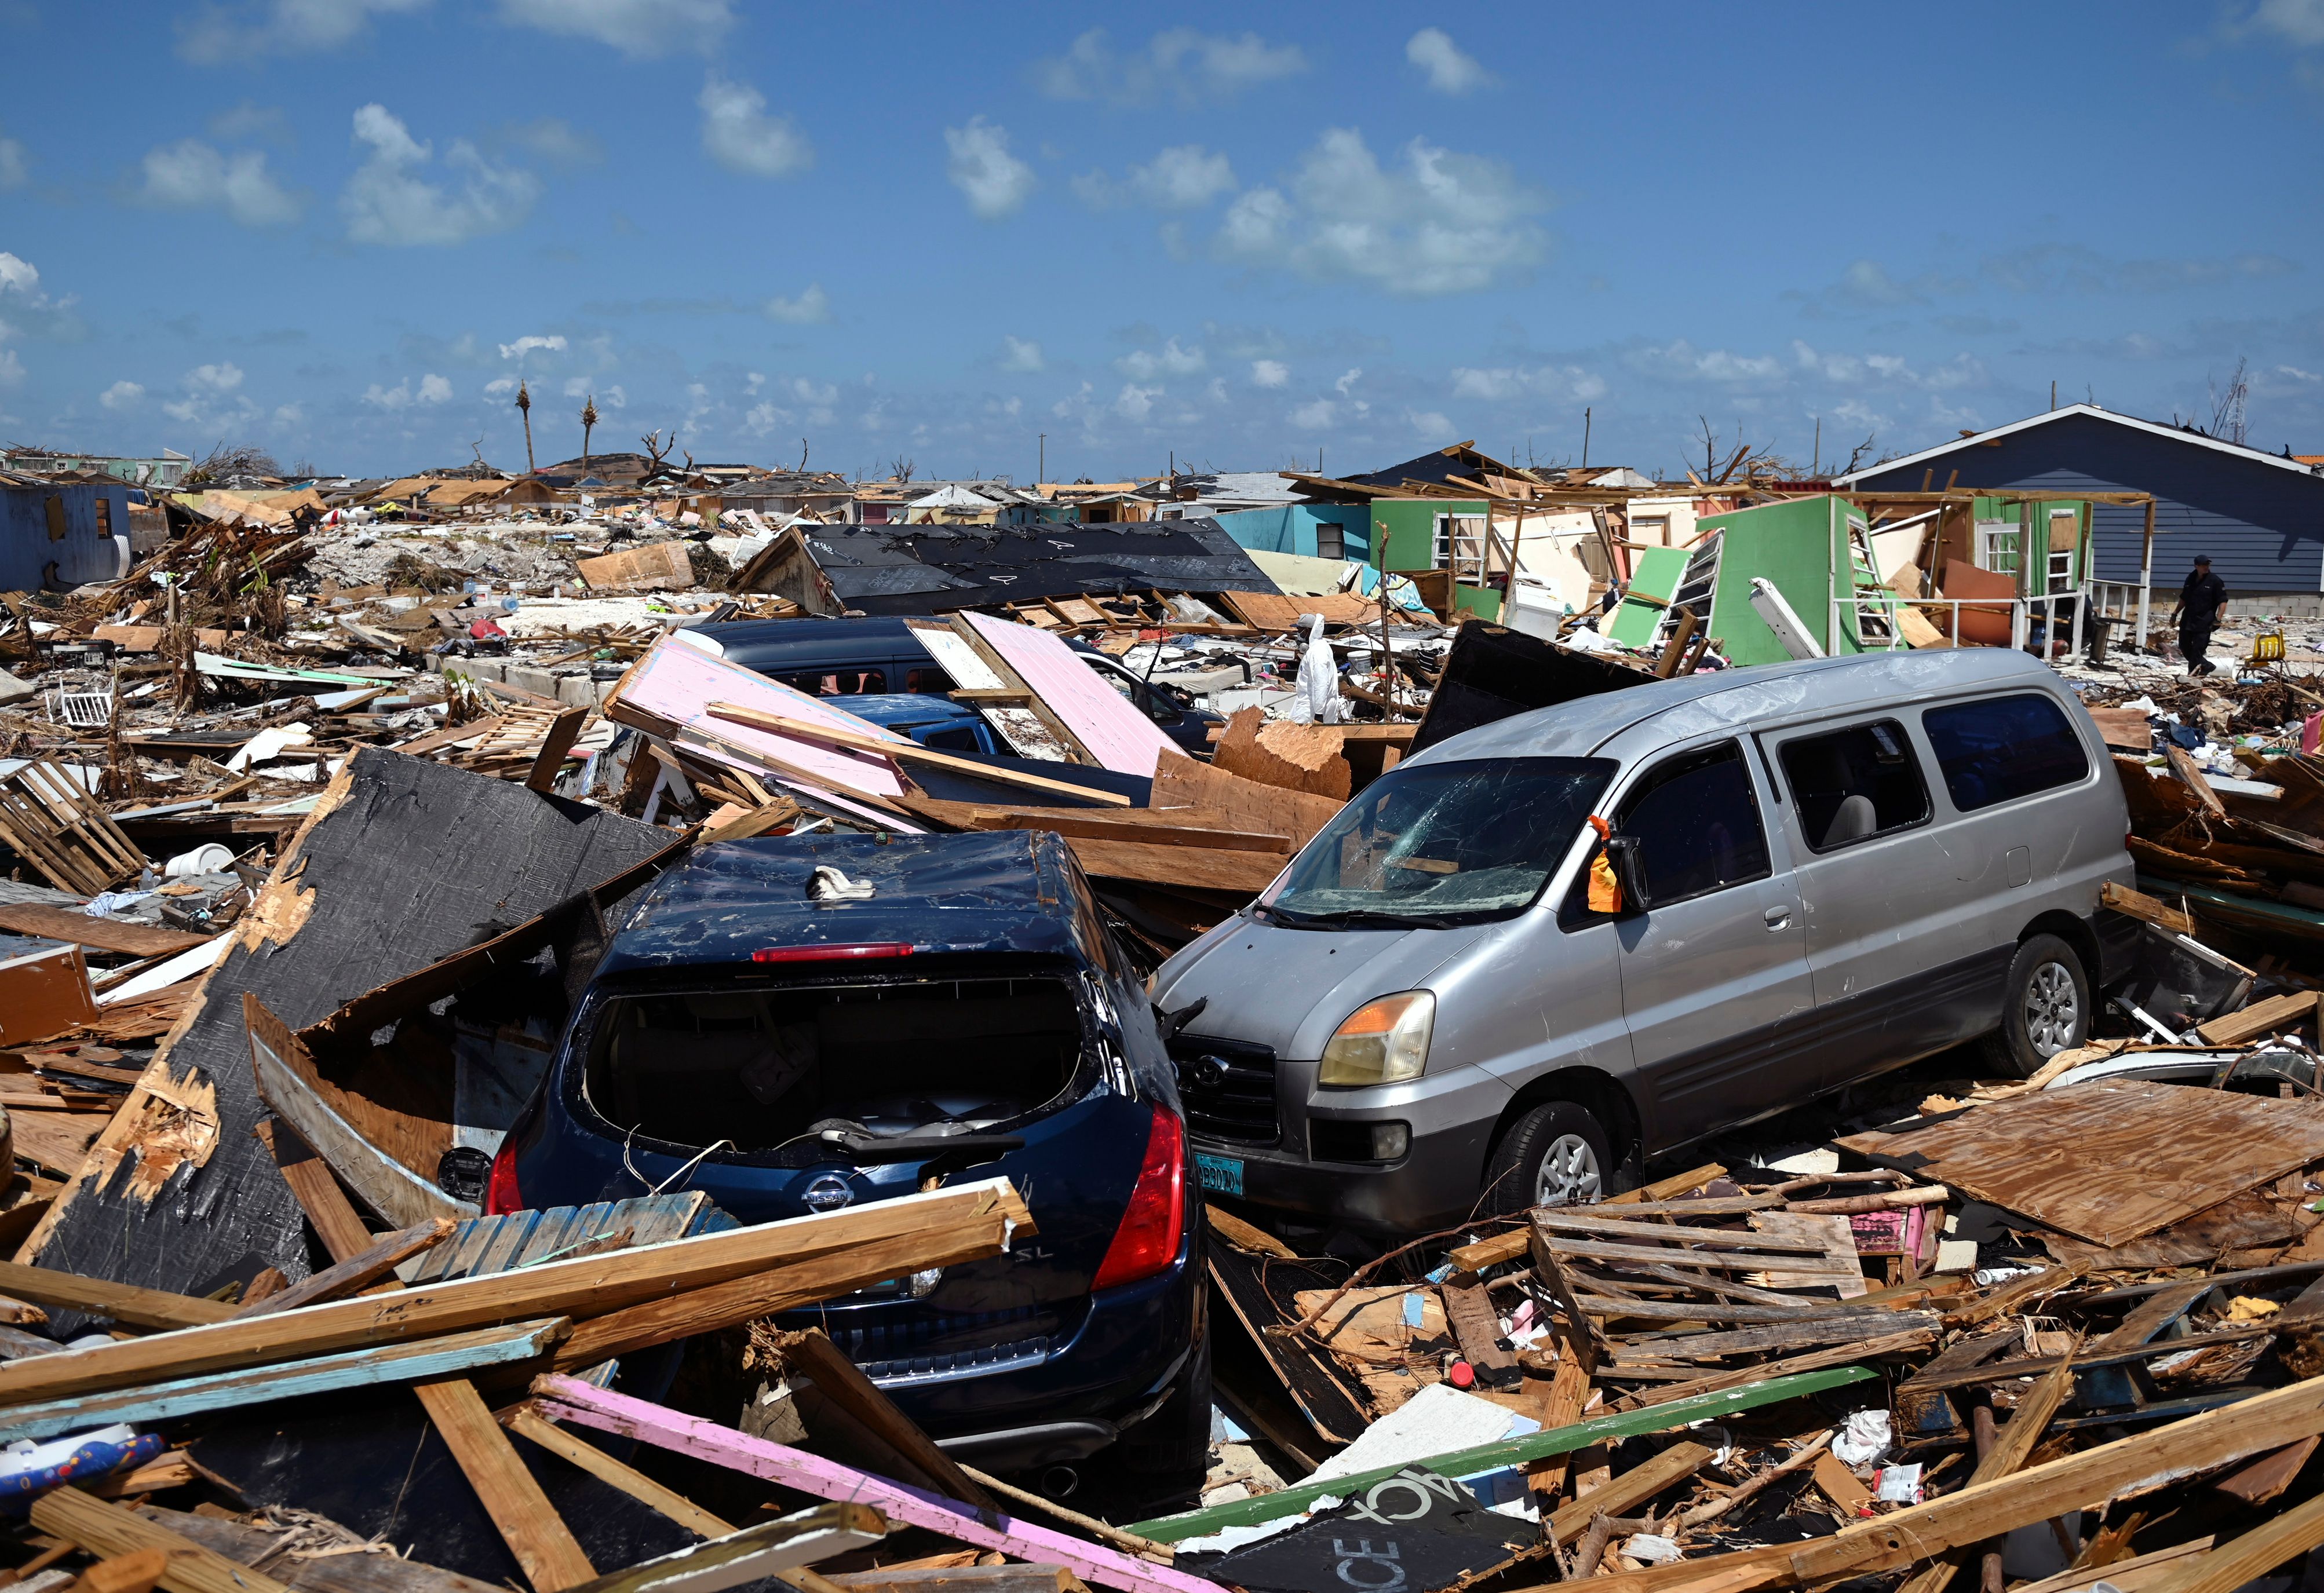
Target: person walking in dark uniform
x=2197 y=614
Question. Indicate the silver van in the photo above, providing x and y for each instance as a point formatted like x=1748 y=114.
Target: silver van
x=1460 y=998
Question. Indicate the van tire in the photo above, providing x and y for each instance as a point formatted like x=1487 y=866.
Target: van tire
x=1514 y=1174
x=2045 y=1007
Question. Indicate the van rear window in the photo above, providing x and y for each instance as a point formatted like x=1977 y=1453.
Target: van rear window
x=1999 y=748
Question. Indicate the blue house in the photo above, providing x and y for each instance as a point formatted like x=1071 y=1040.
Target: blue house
x=58 y=535
x=1318 y=531
x=2259 y=516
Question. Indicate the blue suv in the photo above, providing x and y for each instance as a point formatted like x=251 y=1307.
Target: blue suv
x=796 y=1026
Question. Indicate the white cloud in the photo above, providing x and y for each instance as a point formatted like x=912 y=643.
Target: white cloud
x=810 y=308
x=552 y=343
x=246 y=121
x=12 y=369
x=221 y=378
x=433 y=390
x=738 y=134
x=190 y=175
x=1134 y=402
x=1170 y=360
x=641 y=28
x=615 y=397
x=1314 y=415
x=555 y=140
x=16 y=165
x=1269 y=373
x=577 y=386
x=1442 y=222
x=206 y=404
x=995 y=183
x=1178 y=62
x=1018 y=354
x=1568 y=382
x=122 y=395
x=1429 y=423
x=500 y=387
x=219 y=34
x=1449 y=69
x=2296 y=22
x=1346 y=380
x=20 y=277
x=387 y=202
x=1183 y=177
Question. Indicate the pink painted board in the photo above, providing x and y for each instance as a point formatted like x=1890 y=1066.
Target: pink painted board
x=679 y=683
x=566 y=1399
x=1124 y=739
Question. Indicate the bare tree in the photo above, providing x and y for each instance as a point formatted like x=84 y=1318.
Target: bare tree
x=656 y=449
x=2228 y=407
x=226 y=462
x=1855 y=455
x=899 y=469
x=1723 y=465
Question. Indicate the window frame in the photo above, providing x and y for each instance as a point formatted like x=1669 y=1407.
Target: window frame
x=1638 y=789
x=2090 y=766
x=1792 y=793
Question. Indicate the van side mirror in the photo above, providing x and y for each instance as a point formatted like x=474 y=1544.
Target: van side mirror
x=1629 y=873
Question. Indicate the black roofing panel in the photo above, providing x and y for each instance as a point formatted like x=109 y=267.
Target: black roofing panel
x=873 y=567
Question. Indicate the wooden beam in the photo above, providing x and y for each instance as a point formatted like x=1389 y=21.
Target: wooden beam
x=428 y=1358
x=527 y=1422
x=2146 y=909
x=120 y=1303
x=357 y=1272
x=2271 y=1017
x=1627 y=1492
x=318 y=1195
x=111 y=1530
x=840 y=1381
x=511 y=1495
x=563 y=731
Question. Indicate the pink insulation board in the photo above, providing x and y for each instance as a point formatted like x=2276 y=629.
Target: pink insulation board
x=1123 y=739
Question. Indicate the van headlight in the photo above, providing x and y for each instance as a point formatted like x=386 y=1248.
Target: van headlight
x=1382 y=1042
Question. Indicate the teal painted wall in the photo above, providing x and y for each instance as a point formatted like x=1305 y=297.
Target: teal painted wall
x=1292 y=529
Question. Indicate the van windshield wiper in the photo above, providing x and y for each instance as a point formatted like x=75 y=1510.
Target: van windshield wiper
x=1356 y=916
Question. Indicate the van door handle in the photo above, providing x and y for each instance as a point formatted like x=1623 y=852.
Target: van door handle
x=1777 y=917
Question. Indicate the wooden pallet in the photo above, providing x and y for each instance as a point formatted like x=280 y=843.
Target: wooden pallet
x=59 y=828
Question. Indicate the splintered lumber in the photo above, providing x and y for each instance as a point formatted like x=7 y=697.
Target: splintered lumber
x=101 y=934
x=2183 y=764
x=2230 y=1565
x=428 y=1359
x=1136 y=824
x=325 y=1573
x=562 y=732
x=1198 y=868
x=755 y=1552
x=908 y=752
x=124 y=1573
x=1627 y=1492
x=528 y=1424
x=318 y=1195
x=110 y=1530
x=1560 y=1221
x=1479 y=1332
x=2086 y=1160
x=566 y=1399
x=358 y=1271
x=1508 y=1451
x=120 y=1303
x=290 y=1084
x=2146 y=909
x=946 y=1227
x=1509 y=1246
x=840 y=1381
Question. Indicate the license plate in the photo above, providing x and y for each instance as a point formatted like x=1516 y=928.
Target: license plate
x=1219 y=1174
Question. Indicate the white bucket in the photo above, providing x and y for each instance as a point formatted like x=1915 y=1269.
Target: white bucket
x=210 y=859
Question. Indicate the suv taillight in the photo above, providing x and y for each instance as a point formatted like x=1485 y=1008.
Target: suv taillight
x=501 y=1195
x=1148 y=1240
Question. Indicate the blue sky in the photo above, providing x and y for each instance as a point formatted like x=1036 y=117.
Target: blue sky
x=1250 y=236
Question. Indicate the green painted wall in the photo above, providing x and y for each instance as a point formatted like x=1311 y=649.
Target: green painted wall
x=1654 y=573
x=1404 y=539
x=1797 y=545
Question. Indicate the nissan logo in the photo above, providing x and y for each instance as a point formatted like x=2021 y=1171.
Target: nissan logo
x=827 y=1193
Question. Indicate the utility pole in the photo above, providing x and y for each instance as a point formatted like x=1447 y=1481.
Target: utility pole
x=1815 y=455
x=588 y=424
x=1585 y=438
x=524 y=408
x=1041 y=472
x=2053 y=393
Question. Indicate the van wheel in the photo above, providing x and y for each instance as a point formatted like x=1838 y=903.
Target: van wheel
x=2045 y=1007
x=1556 y=1155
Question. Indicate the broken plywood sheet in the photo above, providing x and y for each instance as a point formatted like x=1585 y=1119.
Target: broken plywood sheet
x=2111 y=1161
x=403 y=862
x=1101 y=718
x=1180 y=782
x=1393 y=1341
x=662 y=567
x=1295 y=757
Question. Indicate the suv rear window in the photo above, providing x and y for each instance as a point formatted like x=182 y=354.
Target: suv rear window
x=1854 y=784
x=1999 y=748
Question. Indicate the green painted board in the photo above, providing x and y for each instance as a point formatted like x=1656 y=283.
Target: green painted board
x=1654 y=573
x=1509 y=1451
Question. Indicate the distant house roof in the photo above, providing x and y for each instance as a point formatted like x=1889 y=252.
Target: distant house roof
x=1460 y=459
x=953 y=497
x=934 y=569
x=2178 y=434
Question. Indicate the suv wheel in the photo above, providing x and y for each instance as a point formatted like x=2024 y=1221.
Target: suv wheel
x=1175 y=1439
x=1556 y=1155
x=2045 y=1007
